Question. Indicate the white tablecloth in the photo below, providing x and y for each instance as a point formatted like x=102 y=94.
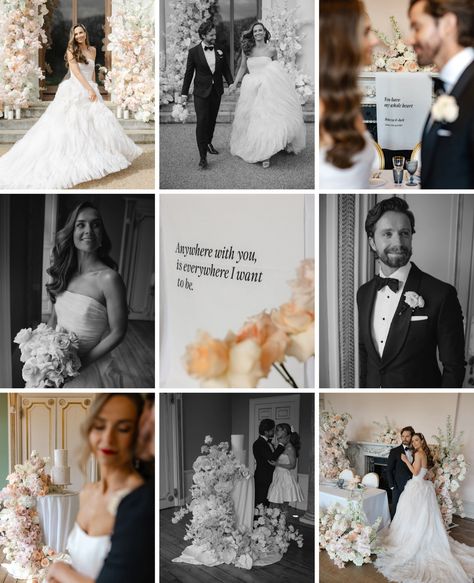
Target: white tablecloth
x=243 y=496
x=374 y=502
x=57 y=514
x=386 y=181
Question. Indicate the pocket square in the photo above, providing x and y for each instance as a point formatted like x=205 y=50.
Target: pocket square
x=418 y=318
x=444 y=133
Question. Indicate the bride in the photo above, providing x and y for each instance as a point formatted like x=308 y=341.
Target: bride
x=284 y=487
x=77 y=139
x=268 y=117
x=416 y=546
x=88 y=296
x=110 y=433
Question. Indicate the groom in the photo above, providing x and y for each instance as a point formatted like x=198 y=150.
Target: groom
x=208 y=65
x=443 y=34
x=407 y=318
x=263 y=452
x=398 y=473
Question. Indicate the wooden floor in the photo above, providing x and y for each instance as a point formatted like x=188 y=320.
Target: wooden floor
x=329 y=573
x=136 y=355
x=297 y=565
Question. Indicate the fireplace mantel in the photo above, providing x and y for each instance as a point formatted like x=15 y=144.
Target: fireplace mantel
x=359 y=450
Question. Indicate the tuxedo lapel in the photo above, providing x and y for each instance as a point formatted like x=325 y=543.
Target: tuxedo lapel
x=463 y=81
x=366 y=318
x=401 y=320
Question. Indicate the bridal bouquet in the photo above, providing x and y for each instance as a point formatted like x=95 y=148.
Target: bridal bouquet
x=50 y=356
x=20 y=532
x=333 y=443
x=263 y=342
x=346 y=535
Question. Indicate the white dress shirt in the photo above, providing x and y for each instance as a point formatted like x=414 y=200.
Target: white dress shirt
x=385 y=305
x=409 y=454
x=210 y=58
x=455 y=67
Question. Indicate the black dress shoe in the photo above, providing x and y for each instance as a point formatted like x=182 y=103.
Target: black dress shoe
x=211 y=149
x=203 y=163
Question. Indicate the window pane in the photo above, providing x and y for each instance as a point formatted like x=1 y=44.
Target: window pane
x=91 y=13
x=59 y=35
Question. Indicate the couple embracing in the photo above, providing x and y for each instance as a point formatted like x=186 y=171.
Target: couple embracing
x=268 y=117
x=416 y=547
x=275 y=452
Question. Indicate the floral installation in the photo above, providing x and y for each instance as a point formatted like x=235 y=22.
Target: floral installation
x=355 y=483
x=414 y=300
x=283 y=25
x=50 y=356
x=333 y=444
x=181 y=34
x=398 y=57
x=346 y=535
x=131 y=81
x=20 y=532
x=242 y=359
x=180 y=112
x=387 y=433
x=449 y=471
x=21 y=36
x=445 y=109
x=213 y=527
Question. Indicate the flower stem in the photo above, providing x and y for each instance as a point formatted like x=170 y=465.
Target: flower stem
x=286 y=375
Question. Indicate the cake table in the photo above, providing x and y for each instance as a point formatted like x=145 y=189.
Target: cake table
x=57 y=514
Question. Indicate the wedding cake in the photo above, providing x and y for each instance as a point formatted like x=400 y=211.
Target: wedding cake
x=60 y=472
x=237 y=448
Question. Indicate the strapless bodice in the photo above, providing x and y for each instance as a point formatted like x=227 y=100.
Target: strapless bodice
x=284 y=459
x=87 y=69
x=421 y=475
x=82 y=315
x=258 y=64
x=87 y=552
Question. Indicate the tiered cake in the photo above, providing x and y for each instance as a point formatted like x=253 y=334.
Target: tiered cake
x=60 y=472
x=237 y=446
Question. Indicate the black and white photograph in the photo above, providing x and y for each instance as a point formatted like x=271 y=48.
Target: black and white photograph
x=237 y=94
x=236 y=487
x=396 y=291
x=77 y=480
x=77 y=291
x=396 y=92
x=396 y=478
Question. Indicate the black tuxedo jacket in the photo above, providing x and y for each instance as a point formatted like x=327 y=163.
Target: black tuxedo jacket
x=409 y=359
x=262 y=452
x=447 y=150
x=398 y=473
x=203 y=78
x=132 y=552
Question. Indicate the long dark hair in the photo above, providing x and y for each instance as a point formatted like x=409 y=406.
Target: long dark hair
x=340 y=57
x=74 y=47
x=247 y=40
x=64 y=258
x=294 y=437
x=426 y=449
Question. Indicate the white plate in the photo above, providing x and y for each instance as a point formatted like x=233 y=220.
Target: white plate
x=377 y=182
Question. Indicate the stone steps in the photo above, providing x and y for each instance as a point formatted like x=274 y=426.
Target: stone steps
x=12 y=130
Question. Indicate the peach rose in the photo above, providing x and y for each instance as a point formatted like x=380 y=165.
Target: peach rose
x=244 y=364
x=292 y=319
x=301 y=345
x=303 y=285
x=207 y=357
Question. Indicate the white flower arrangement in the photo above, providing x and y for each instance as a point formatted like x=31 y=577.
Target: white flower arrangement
x=387 y=433
x=450 y=470
x=414 y=300
x=213 y=517
x=398 y=57
x=21 y=36
x=346 y=535
x=333 y=443
x=180 y=113
x=445 y=109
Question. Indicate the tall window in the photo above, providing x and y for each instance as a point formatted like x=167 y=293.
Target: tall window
x=62 y=14
x=233 y=17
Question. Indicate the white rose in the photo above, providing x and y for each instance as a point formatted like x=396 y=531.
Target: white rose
x=445 y=109
x=301 y=345
x=244 y=364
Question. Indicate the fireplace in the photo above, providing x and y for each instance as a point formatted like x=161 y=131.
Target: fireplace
x=378 y=465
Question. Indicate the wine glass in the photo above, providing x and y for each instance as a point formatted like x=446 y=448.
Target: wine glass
x=411 y=166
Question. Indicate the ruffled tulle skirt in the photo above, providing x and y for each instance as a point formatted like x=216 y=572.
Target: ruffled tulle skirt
x=284 y=487
x=268 y=117
x=416 y=546
x=74 y=141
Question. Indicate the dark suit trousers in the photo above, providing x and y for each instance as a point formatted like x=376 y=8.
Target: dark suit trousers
x=206 y=109
x=261 y=490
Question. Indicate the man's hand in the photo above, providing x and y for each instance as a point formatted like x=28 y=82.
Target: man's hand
x=184 y=99
x=232 y=88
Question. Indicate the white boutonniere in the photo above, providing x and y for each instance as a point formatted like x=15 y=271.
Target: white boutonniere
x=219 y=52
x=445 y=109
x=414 y=300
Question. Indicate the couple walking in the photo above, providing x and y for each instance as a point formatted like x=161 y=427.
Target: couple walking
x=268 y=117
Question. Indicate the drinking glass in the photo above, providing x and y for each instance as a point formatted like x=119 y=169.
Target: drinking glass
x=397 y=175
x=411 y=166
x=398 y=161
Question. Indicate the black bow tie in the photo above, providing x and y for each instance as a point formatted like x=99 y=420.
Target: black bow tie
x=211 y=48
x=392 y=283
x=438 y=86
x=407 y=449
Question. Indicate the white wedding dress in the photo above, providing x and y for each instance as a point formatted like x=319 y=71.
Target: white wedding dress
x=74 y=141
x=87 y=318
x=87 y=552
x=416 y=546
x=284 y=487
x=268 y=117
